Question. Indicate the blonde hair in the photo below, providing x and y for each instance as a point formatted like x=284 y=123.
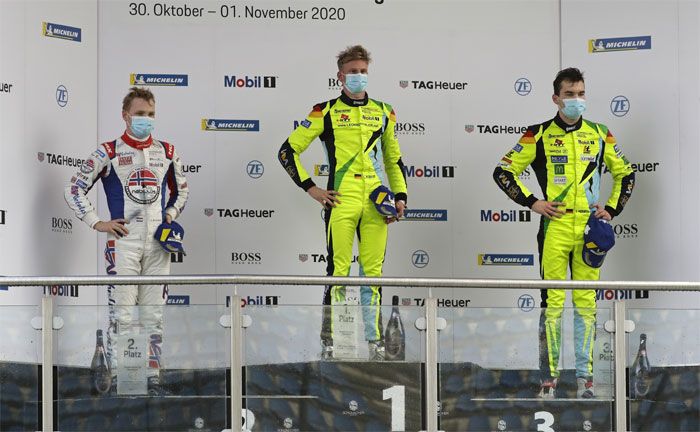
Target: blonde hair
x=134 y=93
x=356 y=52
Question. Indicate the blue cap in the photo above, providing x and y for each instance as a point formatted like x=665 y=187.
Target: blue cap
x=598 y=239
x=383 y=200
x=170 y=236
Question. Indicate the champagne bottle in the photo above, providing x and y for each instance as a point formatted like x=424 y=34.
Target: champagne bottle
x=641 y=370
x=395 y=336
x=100 y=371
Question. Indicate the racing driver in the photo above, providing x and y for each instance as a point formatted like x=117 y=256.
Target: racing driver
x=568 y=155
x=358 y=134
x=135 y=170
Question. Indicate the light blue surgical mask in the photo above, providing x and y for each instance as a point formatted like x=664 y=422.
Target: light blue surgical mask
x=142 y=126
x=573 y=108
x=356 y=83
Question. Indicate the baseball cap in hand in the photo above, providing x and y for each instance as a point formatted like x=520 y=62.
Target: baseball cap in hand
x=598 y=239
x=383 y=200
x=170 y=236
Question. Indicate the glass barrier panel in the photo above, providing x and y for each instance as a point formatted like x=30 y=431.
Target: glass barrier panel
x=490 y=361
x=361 y=373
x=20 y=356
x=142 y=368
x=663 y=360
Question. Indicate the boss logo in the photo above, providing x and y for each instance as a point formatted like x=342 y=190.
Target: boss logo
x=61 y=225
x=246 y=257
x=626 y=230
x=410 y=127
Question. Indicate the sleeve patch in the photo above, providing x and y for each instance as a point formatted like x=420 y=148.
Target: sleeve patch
x=610 y=139
x=316 y=112
x=110 y=149
x=169 y=149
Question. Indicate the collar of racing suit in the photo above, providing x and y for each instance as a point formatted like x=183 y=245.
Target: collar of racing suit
x=567 y=127
x=353 y=102
x=133 y=142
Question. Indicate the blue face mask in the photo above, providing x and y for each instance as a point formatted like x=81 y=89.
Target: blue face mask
x=573 y=108
x=142 y=127
x=356 y=83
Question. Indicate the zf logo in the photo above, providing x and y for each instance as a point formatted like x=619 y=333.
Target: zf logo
x=176 y=257
x=62 y=96
x=523 y=87
x=620 y=106
x=526 y=303
x=420 y=258
x=255 y=169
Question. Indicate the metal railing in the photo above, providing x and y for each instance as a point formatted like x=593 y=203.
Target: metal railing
x=619 y=326
x=350 y=281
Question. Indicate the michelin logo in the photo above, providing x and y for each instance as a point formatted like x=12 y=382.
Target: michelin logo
x=60 y=31
x=619 y=44
x=425 y=215
x=506 y=259
x=178 y=300
x=158 y=80
x=230 y=125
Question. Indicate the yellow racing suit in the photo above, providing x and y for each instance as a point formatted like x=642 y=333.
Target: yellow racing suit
x=567 y=161
x=358 y=136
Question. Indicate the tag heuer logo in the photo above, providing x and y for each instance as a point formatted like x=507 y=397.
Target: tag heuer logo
x=469 y=128
x=209 y=211
x=303 y=257
x=40 y=156
x=403 y=84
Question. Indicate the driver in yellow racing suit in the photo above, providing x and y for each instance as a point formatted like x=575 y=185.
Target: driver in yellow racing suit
x=358 y=134
x=567 y=154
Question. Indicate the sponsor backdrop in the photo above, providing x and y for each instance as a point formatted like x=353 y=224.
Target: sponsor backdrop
x=233 y=79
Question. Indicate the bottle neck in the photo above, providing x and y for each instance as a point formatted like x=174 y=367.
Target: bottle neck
x=100 y=341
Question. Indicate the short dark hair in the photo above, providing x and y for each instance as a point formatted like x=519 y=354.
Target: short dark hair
x=569 y=74
x=137 y=93
x=357 y=52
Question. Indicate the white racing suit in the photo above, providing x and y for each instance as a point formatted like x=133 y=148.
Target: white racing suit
x=135 y=176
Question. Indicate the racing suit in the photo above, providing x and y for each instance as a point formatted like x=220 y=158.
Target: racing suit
x=135 y=175
x=358 y=136
x=567 y=161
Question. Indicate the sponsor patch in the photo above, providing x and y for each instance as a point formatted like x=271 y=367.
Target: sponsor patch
x=87 y=167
